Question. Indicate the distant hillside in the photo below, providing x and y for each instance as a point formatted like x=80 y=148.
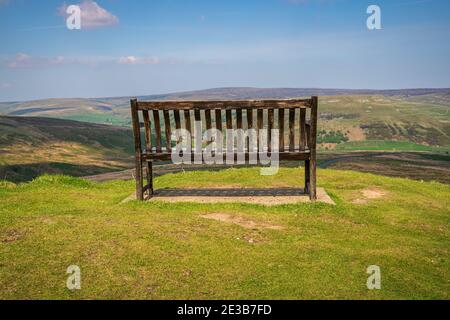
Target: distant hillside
x=286 y=93
x=418 y=118
x=115 y=111
x=32 y=146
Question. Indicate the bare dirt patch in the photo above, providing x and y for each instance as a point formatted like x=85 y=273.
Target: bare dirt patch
x=241 y=221
x=322 y=196
x=328 y=146
x=356 y=134
x=370 y=194
x=9 y=236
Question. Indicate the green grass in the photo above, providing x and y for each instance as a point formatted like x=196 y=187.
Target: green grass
x=168 y=251
x=103 y=118
x=385 y=145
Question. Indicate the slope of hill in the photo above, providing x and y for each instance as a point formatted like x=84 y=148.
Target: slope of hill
x=32 y=146
x=160 y=250
x=418 y=116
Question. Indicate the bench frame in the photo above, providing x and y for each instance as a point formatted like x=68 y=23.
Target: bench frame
x=213 y=110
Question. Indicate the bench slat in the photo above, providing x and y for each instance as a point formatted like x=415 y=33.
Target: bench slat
x=219 y=119
x=148 y=133
x=226 y=105
x=260 y=124
x=176 y=114
x=281 y=128
x=270 y=127
x=239 y=119
x=229 y=119
x=302 y=129
x=250 y=118
x=157 y=130
x=305 y=155
x=187 y=121
x=292 y=130
x=208 y=119
x=168 y=130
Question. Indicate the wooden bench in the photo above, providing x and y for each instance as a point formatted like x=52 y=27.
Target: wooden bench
x=295 y=119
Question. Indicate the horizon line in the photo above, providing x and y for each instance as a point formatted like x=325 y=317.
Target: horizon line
x=222 y=88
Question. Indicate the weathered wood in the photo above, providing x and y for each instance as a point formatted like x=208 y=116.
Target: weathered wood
x=150 y=177
x=138 y=149
x=260 y=125
x=269 y=129
x=307 y=176
x=168 y=130
x=239 y=119
x=218 y=119
x=225 y=105
x=157 y=130
x=229 y=119
x=197 y=115
x=312 y=147
x=250 y=118
x=249 y=113
x=308 y=131
x=292 y=130
x=288 y=156
x=308 y=134
x=176 y=115
x=187 y=121
x=302 y=129
x=281 y=128
x=208 y=119
x=148 y=131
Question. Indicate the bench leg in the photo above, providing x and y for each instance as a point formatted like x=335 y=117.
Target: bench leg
x=150 y=178
x=307 y=176
x=313 y=179
x=139 y=179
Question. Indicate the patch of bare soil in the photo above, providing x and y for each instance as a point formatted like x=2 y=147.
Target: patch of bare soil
x=370 y=194
x=356 y=134
x=241 y=221
x=328 y=146
x=10 y=236
x=322 y=196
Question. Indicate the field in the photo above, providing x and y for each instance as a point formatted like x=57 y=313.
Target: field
x=420 y=166
x=176 y=251
x=352 y=122
x=158 y=250
x=419 y=117
x=30 y=147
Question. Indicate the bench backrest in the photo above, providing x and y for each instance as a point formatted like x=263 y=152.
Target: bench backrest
x=296 y=120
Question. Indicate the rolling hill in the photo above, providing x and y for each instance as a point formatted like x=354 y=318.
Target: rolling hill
x=160 y=250
x=33 y=146
x=359 y=123
x=418 y=116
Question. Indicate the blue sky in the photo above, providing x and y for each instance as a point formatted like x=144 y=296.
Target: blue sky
x=135 y=47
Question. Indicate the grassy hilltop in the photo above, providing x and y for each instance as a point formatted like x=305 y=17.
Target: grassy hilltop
x=160 y=251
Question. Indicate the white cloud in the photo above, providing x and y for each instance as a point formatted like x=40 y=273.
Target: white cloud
x=23 y=60
x=92 y=15
x=138 y=60
x=20 y=60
